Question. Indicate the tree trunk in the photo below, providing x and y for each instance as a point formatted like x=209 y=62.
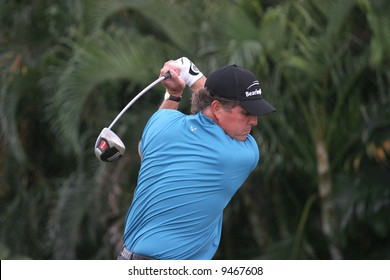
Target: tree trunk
x=256 y=220
x=328 y=211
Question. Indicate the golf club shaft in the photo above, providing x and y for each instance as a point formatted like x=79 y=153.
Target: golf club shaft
x=164 y=77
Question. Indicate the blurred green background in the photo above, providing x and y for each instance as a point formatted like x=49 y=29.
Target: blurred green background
x=322 y=188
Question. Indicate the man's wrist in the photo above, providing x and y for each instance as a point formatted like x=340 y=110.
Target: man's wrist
x=171 y=97
x=188 y=71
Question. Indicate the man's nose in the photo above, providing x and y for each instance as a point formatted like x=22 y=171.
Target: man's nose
x=253 y=120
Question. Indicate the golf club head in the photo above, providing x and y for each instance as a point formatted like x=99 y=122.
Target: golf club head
x=109 y=147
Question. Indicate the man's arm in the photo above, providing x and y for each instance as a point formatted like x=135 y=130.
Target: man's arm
x=174 y=86
x=199 y=84
x=171 y=104
x=181 y=70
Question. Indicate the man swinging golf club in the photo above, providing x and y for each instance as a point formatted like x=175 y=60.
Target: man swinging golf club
x=192 y=165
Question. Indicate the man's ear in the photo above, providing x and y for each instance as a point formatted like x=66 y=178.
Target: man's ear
x=216 y=109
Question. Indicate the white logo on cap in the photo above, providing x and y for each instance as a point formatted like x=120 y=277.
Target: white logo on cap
x=249 y=92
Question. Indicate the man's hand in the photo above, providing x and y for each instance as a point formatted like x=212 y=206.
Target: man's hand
x=174 y=85
x=188 y=71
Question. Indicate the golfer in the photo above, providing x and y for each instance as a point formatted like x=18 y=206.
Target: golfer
x=192 y=165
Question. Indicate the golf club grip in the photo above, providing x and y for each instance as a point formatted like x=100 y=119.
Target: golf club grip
x=167 y=75
x=162 y=78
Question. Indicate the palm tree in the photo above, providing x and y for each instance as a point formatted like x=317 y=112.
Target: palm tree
x=316 y=61
x=318 y=58
x=25 y=192
x=112 y=61
x=324 y=70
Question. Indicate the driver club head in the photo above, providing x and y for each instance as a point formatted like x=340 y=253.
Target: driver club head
x=109 y=147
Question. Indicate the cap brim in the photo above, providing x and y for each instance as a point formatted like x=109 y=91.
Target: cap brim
x=257 y=107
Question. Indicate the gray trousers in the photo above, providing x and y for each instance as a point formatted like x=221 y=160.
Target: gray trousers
x=125 y=254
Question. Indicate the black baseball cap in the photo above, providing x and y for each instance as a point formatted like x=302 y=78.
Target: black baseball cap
x=237 y=83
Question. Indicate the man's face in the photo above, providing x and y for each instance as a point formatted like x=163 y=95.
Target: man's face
x=236 y=122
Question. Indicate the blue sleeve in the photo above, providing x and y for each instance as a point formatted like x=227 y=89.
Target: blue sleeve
x=158 y=123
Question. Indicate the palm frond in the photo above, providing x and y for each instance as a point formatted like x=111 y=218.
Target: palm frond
x=379 y=23
x=165 y=18
x=9 y=135
x=100 y=59
x=76 y=197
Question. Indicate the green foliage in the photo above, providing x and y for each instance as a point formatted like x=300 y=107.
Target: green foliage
x=69 y=67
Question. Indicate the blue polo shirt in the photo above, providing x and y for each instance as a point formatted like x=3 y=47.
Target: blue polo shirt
x=190 y=170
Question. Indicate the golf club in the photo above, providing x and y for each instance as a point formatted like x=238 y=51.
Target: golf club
x=109 y=147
